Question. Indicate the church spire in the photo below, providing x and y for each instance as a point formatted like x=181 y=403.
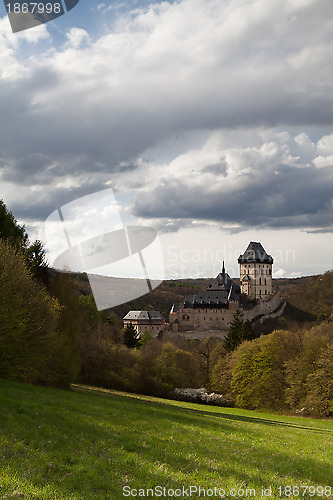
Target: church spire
x=223 y=274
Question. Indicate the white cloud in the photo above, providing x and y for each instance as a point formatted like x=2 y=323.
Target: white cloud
x=325 y=145
x=76 y=37
x=191 y=98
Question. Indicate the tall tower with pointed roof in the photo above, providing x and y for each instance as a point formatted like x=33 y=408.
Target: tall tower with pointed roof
x=256 y=271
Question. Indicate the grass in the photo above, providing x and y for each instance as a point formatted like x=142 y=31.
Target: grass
x=89 y=444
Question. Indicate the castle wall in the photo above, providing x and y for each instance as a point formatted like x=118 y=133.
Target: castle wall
x=271 y=307
x=190 y=319
x=153 y=326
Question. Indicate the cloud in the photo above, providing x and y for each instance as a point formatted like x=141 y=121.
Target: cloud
x=76 y=37
x=267 y=186
x=79 y=116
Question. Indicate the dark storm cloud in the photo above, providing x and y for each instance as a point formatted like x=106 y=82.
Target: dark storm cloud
x=92 y=112
x=288 y=197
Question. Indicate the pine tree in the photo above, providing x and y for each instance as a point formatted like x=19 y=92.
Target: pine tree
x=131 y=339
x=239 y=332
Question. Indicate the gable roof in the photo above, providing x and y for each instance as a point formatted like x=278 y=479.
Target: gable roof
x=146 y=315
x=255 y=253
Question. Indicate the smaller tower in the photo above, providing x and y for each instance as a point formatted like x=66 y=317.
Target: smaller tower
x=255 y=268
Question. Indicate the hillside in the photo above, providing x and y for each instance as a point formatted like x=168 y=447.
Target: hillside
x=89 y=444
x=313 y=294
x=307 y=297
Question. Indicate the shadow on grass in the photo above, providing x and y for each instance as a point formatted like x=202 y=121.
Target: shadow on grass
x=199 y=409
x=91 y=444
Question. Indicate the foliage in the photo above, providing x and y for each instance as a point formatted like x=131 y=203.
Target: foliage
x=201 y=396
x=258 y=373
x=239 y=331
x=69 y=328
x=28 y=321
x=220 y=380
x=311 y=364
x=17 y=237
x=320 y=384
x=145 y=338
x=107 y=363
x=130 y=337
x=10 y=230
x=176 y=367
x=36 y=262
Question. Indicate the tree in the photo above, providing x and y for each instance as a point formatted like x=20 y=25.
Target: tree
x=36 y=261
x=258 y=370
x=146 y=337
x=107 y=363
x=69 y=328
x=309 y=374
x=130 y=336
x=320 y=384
x=177 y=367
x=239 y=332
x=28 y=321
x=17 y=236
x=10 y=230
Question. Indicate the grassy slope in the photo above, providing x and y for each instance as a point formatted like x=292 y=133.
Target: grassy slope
x=88 y=444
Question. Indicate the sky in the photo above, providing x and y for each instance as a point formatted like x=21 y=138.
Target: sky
x=210 y=120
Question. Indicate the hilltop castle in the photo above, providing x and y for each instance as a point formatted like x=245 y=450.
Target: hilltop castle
x=214 y=308
x=255 y=269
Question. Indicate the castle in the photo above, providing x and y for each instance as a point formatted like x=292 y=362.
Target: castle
x=255 y=269
x=213 y=309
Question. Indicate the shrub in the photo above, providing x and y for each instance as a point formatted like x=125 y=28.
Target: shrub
x=201 y=396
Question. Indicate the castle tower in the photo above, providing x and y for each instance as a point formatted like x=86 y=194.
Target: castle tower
x=255 y=267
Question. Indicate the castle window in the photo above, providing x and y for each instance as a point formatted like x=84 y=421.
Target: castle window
x=265 y=281
x=259 y=281
x=265 y=292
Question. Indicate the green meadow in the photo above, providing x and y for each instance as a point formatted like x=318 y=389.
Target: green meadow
x=95 y=444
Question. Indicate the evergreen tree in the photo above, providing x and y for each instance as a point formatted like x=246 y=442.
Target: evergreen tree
x=36 y=261
x=239 y=332
x=131 y=339
x=10 y=230
x=17 y=236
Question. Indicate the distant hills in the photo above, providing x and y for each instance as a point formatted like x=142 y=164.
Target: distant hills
x=307 y=297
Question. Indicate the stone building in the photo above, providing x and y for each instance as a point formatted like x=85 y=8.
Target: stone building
x=256 y=271
x=210 y=309
x=152 y=321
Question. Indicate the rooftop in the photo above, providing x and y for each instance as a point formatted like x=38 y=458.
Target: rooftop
x=144 y=315
x=255 y=253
